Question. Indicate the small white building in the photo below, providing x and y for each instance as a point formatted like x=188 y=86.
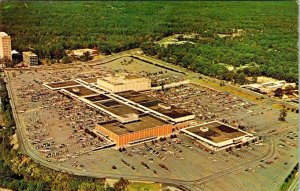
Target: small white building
x=80 y=52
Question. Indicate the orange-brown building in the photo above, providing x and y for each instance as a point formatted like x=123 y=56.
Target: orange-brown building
x=147 y=127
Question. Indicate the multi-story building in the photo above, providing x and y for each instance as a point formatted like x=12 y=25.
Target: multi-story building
x=30 y=59
x=5 y=47
x=124 y=82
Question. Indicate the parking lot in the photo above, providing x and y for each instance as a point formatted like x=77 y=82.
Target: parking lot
x=265 y=175
x=59 y=128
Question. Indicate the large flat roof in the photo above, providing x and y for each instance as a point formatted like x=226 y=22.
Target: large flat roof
x=81 y=91
x=63 y=84
x=216 y=132
x=136 y=96
x=152 y=103
x=96 y=98
x=173 y=112
x=145 y=122
x=117 y=108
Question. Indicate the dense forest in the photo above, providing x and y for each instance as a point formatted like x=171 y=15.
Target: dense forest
x=212 y=56
x=269 y=39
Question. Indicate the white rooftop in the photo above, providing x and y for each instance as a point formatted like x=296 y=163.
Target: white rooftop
x=123 y=78
x=3 y=34
x=14 y=52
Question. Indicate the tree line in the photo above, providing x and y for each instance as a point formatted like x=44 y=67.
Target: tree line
x=270 y=38
x=209 y=55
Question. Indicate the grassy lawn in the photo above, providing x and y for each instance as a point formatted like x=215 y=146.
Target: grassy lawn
x=138 y=186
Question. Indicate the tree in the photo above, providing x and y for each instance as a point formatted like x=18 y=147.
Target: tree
x=52 y=61
x=278 y=92
x=149 y=48
x=58 y=51
x=240 y=78
x=40 y=186
x=66 y=60
x=251 y=71
x=85 y=57
x=286 y=180
x=121 y=184
x=47 y=61
x=162 y=86
x=6 y=62
x=109 y=188
x=282 y=115
x=8 y=118
x=90 y=186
